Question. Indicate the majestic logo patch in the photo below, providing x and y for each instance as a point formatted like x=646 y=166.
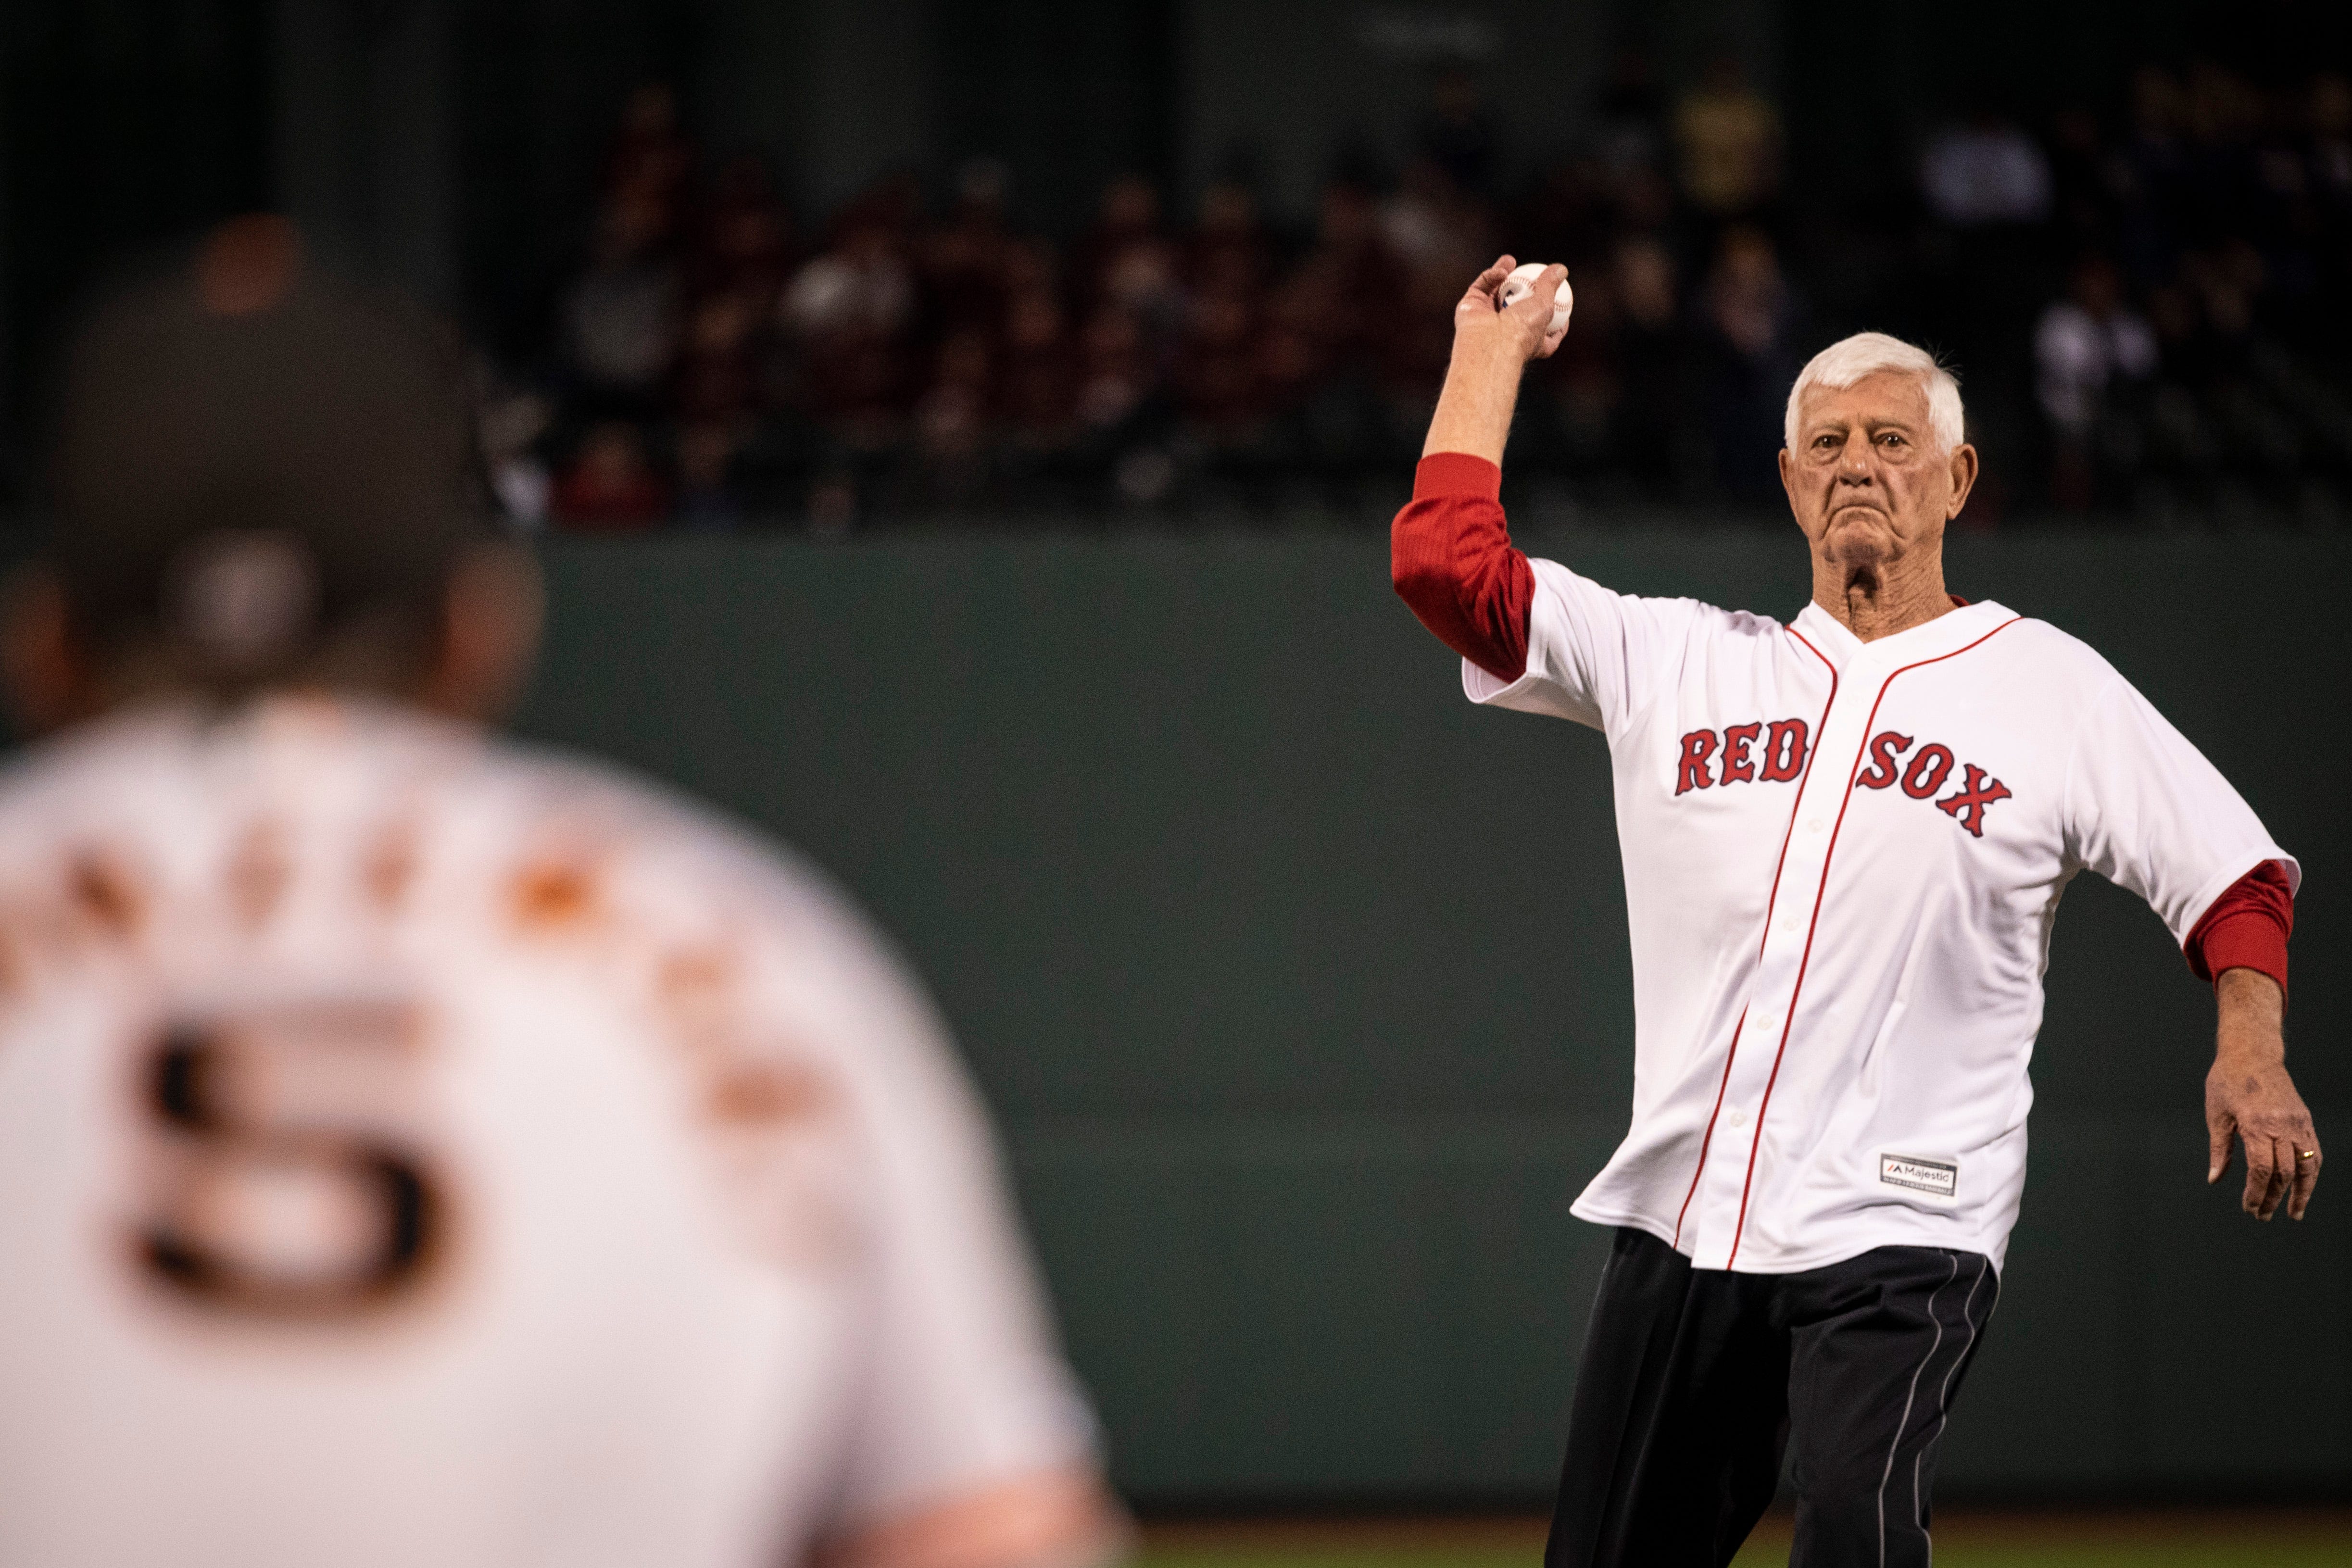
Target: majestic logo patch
x=1931 y=767
x=1752 y=754
x=1937 y=1176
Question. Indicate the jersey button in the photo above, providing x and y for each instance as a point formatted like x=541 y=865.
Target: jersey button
x=1738 y=1117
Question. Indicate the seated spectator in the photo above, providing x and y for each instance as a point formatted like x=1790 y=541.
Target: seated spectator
x=1631 y=128
x=2085 y=177
x=1286 y=372
x=1031 y=266
x=1430 y=224
x=1439 y=235
x=966 y=260
x=1039 y=382
x=1748 y=303
x=852 y=311
x=1346 y=292
x=1571 y=399
x=1984 y=171
x=620 y=317
x=1644 y=202
x=651 y=157
x=1652 y=355
x=2258 y=413
x=1120 y=407
x=1746 y=337
x=1457 y=132
x=2085 y=345
x=2148 y=174
x=509 y=426
x=1228 y=249
x=2229 y=279
x=1417 y=342
x=951 y=419
x=610 y=485
x=1565 y=213
x=861 y=284
x=2221 y=191
x=1115 y=370
x=2328 y=116
x=745 y=244
x=1125 y=259
x=1216 y=373
x=717 y=369
x=707 y=499
x=1334 y=319
x=1729 y=138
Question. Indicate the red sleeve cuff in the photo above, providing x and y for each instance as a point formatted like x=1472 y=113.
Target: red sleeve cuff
x=2245 y=941
x=1456 y=475
x=2246 y=928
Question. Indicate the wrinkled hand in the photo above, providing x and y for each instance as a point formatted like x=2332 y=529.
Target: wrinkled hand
x=1523 y=329
x=2254 y=1102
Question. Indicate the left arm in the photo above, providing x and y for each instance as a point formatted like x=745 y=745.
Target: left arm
x=2248 y=1097
x=2148 y=812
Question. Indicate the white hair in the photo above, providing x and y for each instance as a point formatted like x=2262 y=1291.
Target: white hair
x=1849 y=360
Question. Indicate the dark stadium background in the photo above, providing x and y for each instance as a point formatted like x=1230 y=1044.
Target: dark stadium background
x=1046 y=606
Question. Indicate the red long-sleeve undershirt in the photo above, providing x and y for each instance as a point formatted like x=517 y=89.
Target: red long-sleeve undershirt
x=2245 y=929
x=1451 y=557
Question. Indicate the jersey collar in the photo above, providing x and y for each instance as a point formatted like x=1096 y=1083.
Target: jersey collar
x=1947 y=634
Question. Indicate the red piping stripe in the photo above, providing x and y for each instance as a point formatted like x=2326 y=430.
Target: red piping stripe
x=1739 y=1229
x=1728 y=1058
x=1732 y=1055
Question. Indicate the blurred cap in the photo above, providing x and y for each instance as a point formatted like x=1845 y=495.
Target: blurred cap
x=251 y=456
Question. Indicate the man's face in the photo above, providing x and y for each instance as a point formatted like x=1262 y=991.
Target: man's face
x=1866 y=479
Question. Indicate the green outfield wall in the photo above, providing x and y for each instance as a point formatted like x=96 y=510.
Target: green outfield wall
x=1301 y=987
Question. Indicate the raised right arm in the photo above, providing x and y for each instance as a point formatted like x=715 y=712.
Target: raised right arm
x=1450 y=553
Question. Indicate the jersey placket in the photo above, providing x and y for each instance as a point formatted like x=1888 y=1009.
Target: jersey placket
x=1794 y=925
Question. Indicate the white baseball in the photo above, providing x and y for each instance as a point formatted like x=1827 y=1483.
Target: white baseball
x=1522 y=282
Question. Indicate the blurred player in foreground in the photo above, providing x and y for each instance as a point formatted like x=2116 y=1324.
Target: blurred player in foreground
x=414 y=1149
x=1844 y=839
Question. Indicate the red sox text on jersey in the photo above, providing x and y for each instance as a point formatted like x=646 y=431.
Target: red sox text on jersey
x=1783 y=758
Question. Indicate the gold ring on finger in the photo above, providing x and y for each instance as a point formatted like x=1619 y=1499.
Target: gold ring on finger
x=2306 y=1154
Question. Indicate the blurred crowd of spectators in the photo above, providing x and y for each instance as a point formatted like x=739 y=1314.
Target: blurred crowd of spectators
x=2200 y=347
x=2150 y=311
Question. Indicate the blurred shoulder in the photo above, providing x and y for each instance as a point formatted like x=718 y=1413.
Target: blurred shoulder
x=671 y=866
x=443 y=834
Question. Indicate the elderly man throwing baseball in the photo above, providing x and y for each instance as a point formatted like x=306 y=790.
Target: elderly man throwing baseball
x=1845 y=837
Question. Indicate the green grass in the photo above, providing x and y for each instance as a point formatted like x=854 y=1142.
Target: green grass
x=2298 y=1550
x=2144 y=1555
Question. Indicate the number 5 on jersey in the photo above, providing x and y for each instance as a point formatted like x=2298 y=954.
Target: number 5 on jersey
x=289 y=1174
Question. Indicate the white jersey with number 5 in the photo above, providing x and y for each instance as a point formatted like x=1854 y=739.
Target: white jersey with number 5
x=414 y=1151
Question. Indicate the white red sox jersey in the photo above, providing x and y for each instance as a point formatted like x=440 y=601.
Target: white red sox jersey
x=1842 y=860
x=413 y=1151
